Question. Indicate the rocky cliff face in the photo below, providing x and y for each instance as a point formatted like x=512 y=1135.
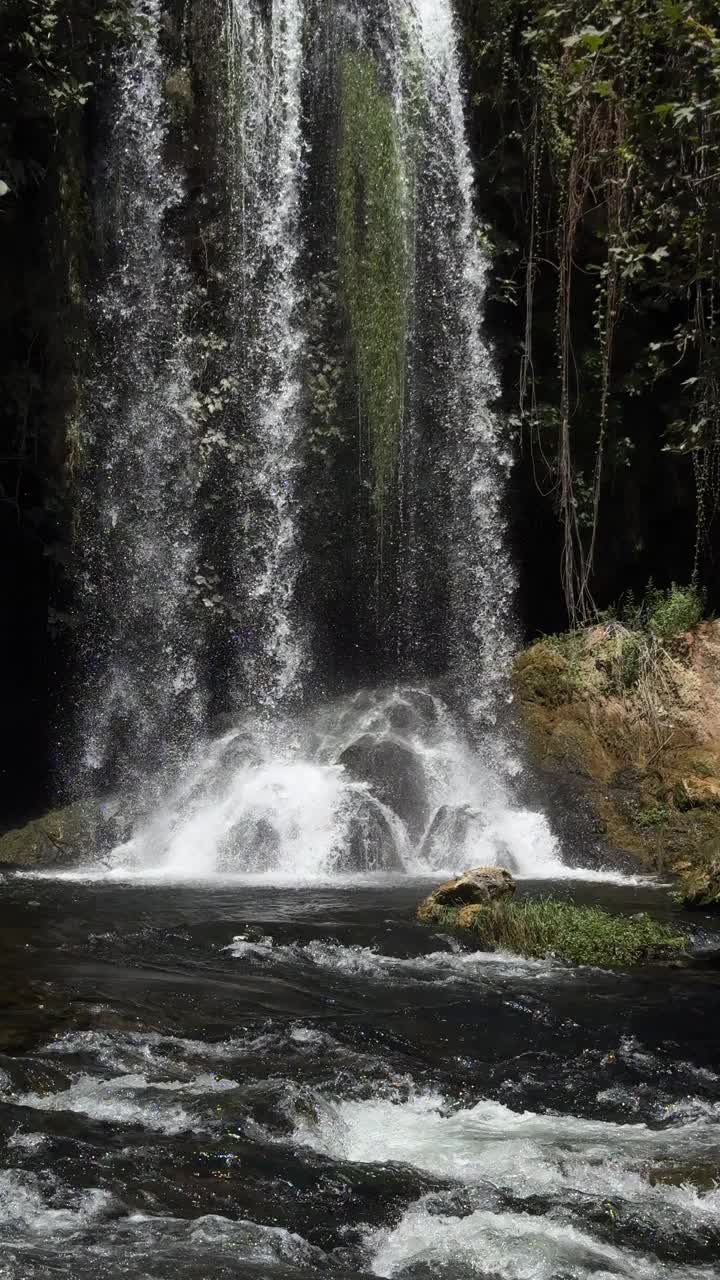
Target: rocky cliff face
x=635 y=722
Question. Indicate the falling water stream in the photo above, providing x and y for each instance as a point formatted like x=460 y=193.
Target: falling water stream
x=229 y=1050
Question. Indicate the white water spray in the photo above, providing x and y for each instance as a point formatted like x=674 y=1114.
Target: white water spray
x=141 y=697
x=265 y=64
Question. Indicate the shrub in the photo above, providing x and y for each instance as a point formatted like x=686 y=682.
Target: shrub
x=673 y=611
x=539 y=927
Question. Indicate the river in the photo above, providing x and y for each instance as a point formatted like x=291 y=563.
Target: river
x=247 y=1080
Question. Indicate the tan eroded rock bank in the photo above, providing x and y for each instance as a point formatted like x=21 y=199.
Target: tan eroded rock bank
x=637 y=723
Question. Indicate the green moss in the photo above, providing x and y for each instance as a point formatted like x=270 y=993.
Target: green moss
x=373 y=255
x=543 y=675
x=538 y=927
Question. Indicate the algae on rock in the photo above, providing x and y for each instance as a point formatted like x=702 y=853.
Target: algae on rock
x=64 y=836
x=373 y=256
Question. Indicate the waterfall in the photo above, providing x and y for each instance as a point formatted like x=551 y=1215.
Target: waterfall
x=480 y=572
x=331 y=453
x=265 y=63
x=139 y=676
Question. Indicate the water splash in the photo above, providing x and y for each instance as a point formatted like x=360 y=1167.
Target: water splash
x=382 y=782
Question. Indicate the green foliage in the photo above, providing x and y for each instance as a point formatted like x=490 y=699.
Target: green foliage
x=539 y=927
x=631 y=658
x=373 y=257
x=673 y=611
x=54 y=50
x=662 y=612
x=653 y=816
x=570 y=645
x=606 y=118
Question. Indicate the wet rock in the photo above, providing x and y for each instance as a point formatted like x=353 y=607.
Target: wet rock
x=448 y=832
x=253 y=844
x=700 y=880
x=63 y=836
x=401 y=717
x=371 y=843
x=476 y=887
x=395 y=775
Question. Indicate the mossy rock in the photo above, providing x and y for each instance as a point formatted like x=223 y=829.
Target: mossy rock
x=543 y=927
x=63 y=836
x=578 y=747
x=700 y=879
x=542 y=676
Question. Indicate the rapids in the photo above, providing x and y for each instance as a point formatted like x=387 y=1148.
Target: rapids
x=237 y=1081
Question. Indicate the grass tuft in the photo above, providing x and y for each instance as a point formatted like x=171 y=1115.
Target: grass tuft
x=539 y=927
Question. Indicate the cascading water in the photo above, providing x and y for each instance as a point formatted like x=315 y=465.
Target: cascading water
x=141 y=641
x=480 y=573
x=265 y=166
x=390 y=779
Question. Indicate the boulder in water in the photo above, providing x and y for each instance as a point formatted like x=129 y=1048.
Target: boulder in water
x=448 y=832
x=476 y=887
x=253 y=845
x=371 y=844
x=64 y=836
x=395 y=776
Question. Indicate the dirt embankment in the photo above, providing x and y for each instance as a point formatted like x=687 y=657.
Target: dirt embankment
x=637 y=721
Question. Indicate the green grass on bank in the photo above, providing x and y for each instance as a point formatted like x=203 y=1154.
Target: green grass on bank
x=538 y=927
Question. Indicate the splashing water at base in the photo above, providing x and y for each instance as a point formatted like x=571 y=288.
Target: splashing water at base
x=383 y=782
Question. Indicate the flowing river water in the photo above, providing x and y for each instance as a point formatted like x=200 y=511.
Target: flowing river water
x=229 y=1079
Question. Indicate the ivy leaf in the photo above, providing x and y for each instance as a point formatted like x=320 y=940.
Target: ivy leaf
x=603 y=88
x=592 y=38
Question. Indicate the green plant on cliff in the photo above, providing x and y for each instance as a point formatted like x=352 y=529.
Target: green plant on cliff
x=673 y=611
x=373 y=258
x=540 y=927
x=605 y=116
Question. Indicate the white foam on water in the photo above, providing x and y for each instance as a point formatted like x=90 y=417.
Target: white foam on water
x=511 y=1246
x=31 y=1204
x=131 y=1099
x=150 y=1052
x=367 y=962
x=283 y=804
x=524 y=1153
x=38 y=1211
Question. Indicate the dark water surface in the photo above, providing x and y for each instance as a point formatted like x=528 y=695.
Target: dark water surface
x=236 y=1081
